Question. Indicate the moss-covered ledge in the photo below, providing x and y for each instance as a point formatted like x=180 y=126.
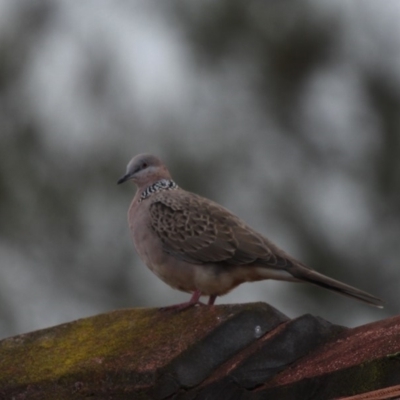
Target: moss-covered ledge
x=121 y=351
x=248 y=350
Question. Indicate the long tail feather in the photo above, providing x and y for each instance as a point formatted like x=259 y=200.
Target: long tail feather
x=312 y=276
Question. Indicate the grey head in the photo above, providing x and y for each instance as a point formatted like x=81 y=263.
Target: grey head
x=145 y=169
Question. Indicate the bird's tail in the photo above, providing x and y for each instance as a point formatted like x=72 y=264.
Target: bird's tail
x=305 y=274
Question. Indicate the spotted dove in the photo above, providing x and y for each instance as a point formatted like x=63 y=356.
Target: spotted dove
x=195 y=245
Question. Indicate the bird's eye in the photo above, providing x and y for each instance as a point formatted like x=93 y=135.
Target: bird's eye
x=144 y=165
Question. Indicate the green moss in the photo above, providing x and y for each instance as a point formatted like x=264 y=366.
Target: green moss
x=122 y=339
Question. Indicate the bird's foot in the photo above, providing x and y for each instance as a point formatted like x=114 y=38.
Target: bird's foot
x=195 y=300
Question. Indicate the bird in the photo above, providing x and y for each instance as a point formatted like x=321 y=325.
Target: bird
x=197 y=246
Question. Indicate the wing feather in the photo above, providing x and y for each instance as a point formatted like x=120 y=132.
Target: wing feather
x=200 y=231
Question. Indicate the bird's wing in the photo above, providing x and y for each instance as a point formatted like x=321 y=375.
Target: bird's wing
x=200 y=231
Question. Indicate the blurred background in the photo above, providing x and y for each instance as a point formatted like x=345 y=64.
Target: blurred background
x=287 y=113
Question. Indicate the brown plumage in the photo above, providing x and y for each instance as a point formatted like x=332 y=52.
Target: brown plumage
x=197 y=246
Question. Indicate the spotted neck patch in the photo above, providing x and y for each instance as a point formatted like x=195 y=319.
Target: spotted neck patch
x=163 y=184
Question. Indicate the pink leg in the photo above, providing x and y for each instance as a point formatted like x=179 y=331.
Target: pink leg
x=195 y=299
x=211 y=300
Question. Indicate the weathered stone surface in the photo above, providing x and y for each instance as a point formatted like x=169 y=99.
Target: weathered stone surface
x=232 y=352
x=195 y=364
x=297 y=338
x=128 y=351
x=361 y=359
x=270 y=355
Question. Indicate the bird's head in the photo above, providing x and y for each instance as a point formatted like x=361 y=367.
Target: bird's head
x=145 y=169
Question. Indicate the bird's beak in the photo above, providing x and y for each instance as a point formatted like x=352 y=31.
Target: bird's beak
x=123 y=179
